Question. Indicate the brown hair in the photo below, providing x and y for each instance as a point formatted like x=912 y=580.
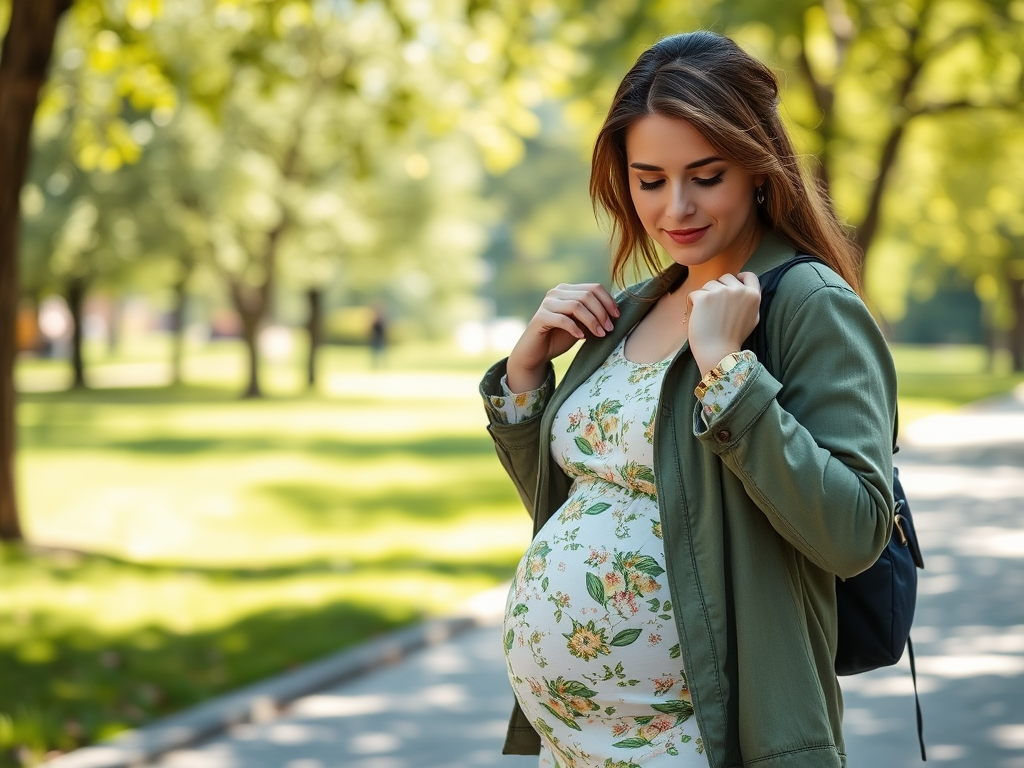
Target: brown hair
x=731 y=99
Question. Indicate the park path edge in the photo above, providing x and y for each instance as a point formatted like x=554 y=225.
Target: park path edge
x=264 y=700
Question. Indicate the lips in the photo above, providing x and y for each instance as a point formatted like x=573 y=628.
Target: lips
x=683 y=236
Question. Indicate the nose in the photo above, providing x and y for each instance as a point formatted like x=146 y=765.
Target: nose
x=680 y=205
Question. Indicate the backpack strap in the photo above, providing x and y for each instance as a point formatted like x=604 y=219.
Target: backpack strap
x=757 y=342
x=917 y=701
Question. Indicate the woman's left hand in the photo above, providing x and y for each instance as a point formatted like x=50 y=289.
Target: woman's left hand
x=722 y=314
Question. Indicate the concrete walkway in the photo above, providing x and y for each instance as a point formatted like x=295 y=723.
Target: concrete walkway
x=446 y=705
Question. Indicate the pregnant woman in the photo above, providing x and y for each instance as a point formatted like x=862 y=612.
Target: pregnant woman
x=692 y=510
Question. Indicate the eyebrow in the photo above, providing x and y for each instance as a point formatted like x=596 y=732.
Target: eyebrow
x=691 y=166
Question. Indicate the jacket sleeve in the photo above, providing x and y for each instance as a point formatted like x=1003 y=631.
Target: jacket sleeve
x=814 y=450
x=518 y=445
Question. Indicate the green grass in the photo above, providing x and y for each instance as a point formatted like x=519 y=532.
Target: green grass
x=941 y=378
x=210 y=542
x=197 y=542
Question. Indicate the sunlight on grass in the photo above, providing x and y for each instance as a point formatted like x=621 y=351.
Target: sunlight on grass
x=941 y=378
x=229 y=539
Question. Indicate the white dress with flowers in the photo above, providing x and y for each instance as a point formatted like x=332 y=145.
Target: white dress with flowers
x=592 y=648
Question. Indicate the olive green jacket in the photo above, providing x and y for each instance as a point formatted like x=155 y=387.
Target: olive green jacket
x=787 y=488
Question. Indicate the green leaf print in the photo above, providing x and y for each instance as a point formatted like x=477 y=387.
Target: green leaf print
x=647 y=564
x=575 y=468
x=564 y=718
x=598 y=508
x=510 y=638
x=675 y=651
x=569 y=699
x=520 y=609
x=654 y=603
x=584 y=446
x=625 y=637
x=608 y=674
x=606 y=408
x=632 y=743
x=678 y=707
x=595 y=588
x=639 y=479
x=572 y=688
x=541 y=549
x=543 y=727
x=544 y=584
x=645 y=473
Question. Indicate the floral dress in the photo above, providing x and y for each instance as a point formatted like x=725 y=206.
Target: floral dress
x=591 y=643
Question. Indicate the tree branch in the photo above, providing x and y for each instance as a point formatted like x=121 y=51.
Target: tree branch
x=952 y=106
x=868 y=226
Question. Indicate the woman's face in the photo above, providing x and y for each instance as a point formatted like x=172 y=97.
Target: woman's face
x=699 y=207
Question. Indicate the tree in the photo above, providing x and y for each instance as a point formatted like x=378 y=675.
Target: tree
x=859 y=74
x=23 y=64
x=309 y=106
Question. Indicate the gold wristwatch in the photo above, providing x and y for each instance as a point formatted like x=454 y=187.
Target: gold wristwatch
x=728 y=363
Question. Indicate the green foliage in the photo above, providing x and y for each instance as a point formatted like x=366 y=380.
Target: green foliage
x=912 y=108
x=333 y=145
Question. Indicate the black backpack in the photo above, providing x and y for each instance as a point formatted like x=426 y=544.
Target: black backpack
x=876 y=607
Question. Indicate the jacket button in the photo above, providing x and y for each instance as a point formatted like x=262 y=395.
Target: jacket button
x=723 y=435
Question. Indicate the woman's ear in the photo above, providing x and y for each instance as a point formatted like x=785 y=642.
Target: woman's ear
x=759 y=180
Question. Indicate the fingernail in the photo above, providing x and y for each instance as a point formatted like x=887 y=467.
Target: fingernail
x=608 y=325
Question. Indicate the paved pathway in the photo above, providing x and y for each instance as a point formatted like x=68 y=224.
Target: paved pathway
x=446 y=706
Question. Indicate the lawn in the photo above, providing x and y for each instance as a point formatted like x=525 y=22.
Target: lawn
x=208 y=541
x=940 y=378
x=197 y=542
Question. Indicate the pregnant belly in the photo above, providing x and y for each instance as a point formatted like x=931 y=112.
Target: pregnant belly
x=590 y=595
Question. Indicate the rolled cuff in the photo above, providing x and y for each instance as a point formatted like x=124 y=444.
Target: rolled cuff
x=722 y=387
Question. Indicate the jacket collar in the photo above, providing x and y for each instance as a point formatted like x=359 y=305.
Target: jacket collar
x=770 y=253
x=635 y=302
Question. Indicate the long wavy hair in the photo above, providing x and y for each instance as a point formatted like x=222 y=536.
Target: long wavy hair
x=731 y=100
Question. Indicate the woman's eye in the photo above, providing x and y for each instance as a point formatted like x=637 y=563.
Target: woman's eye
x=717 y=179
x=647 y=185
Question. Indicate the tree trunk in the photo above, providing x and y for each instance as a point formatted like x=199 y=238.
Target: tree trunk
x=989 y=337
x=76 y=300
x=315 y=328
x=23 y=65
x=114 y=326
x=178 y=328
x=1016 y=334
x=868 y=227
x=251 y=304
x=251 y=336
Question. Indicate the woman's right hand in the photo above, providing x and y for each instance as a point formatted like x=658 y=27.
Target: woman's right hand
x=567 y=312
